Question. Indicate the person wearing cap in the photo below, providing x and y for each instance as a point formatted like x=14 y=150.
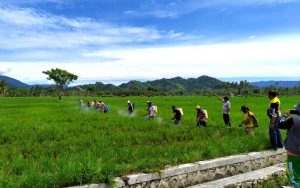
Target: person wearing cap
x=274 y=113
x=249 y=120
x=152 y=109
x=97 y=107
x=201 y=116
x=130 y=107
x=148 y=105
x=292 y=144
x=226 y=110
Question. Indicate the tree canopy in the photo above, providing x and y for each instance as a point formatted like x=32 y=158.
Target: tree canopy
x=62 y=78
x=3 y=88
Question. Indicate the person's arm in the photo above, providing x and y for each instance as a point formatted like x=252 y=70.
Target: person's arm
x=229 y=107
x=242 y=123
x=219 y=98
x=174 y=114
x=275 y=106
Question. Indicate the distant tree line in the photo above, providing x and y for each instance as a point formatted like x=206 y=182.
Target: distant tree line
x=203 y=85
x=242 y=88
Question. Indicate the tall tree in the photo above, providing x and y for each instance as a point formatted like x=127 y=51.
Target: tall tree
x=3 y=87
x=62 y=78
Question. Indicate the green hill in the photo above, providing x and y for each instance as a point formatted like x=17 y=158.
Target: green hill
x=172 y=84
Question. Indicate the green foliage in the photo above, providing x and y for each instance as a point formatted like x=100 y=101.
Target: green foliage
x=62 y=78
x=279 y=181
x=3 y=88
x=204 y=85
x=44 y=143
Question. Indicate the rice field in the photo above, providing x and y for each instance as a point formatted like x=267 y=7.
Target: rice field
x=45 y=142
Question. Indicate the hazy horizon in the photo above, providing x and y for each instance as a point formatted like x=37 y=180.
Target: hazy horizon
x=121 y=81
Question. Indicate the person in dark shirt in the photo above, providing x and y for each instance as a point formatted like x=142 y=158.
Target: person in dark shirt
x=177 y=115
x=130 y=107
x=292 y=144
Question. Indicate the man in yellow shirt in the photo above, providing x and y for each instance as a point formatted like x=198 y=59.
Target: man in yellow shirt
x=274 y=113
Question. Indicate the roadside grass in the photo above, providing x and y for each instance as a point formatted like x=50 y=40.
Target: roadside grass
x=45 y=142
x=277 y=182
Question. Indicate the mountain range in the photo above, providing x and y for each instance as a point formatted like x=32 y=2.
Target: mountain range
x=13 y=82
x=177 y=83
x=263 y=84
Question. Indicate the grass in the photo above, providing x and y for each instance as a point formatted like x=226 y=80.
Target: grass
x=49 y=143
x=277 y=182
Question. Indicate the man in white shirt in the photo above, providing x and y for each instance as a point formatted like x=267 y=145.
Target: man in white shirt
x=226 y=110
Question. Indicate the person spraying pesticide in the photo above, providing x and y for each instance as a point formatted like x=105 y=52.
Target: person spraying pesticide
x=249 y=120
x=178 y=113
x=130 y=107
x=152 y=110
x=201 y=116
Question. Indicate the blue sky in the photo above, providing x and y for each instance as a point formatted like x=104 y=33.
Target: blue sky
x=119 y=40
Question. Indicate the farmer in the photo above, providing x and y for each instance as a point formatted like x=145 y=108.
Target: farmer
x=148 y=105
x=177 y=114
x=130 y=107
x=80 y=102
x=151 y=110
x=274 y=112
x=103 y=107
x=90 y=103
x=226 y=110
x=249 y=120
x=201 y=116
x=292 y=144
x=97 y=107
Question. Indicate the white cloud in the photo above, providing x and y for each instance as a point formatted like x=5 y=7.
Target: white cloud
x=22 y=2
x=276 y=56
x=27 y=28
x=3 y=71
x=179 y=7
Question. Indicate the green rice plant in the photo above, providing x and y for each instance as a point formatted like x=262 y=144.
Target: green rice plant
x=45 y=142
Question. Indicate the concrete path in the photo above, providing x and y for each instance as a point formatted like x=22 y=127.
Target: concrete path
x=249 y=176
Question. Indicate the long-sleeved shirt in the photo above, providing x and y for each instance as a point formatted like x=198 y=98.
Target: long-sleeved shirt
x=292 y=141
x=177 y=114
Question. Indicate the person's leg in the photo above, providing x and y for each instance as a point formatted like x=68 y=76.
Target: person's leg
x=273 y=139
x=203 y=123
x=279 y=139
x=278 y=134
x=229 y=121
x=198 y=124
x=225 y=118
x=293 y=170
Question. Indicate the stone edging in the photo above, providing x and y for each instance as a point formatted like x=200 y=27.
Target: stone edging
x=199 y=172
